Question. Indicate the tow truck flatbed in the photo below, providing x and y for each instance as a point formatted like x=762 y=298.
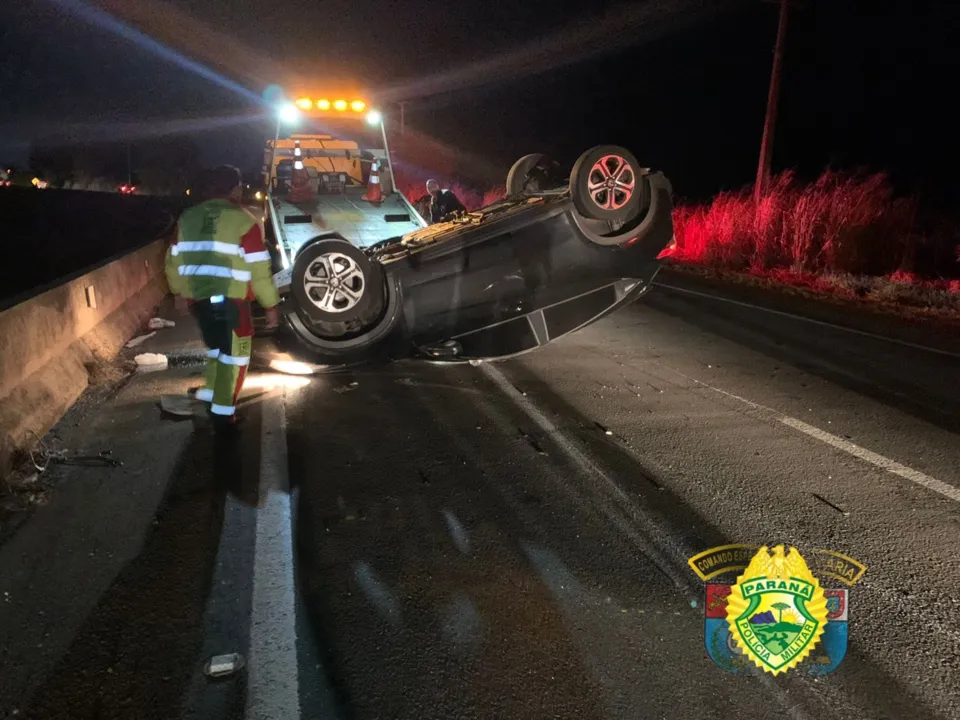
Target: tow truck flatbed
x=359 y=222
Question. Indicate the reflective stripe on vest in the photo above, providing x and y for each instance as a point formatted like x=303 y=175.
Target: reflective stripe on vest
x=208 y=246
x=216 y=246
x=215 y=271
x=222 y=248
x=233 y=360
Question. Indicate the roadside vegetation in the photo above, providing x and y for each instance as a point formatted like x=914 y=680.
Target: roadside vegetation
x=845 y=235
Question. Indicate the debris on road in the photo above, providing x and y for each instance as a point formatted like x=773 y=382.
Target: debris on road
x=223 y=665
x=346 y=388
x=46 y=456
x=532 y=441
x=603 y=429
x=160 y=323
x=826 y=502
x=178 y=405
x=102 y=458
x=29 y=485
x=140 y=339
x=151 y=362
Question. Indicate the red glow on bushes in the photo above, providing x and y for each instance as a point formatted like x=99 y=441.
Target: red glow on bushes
x=841 y=223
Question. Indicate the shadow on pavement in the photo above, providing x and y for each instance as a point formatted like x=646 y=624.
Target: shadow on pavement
x=414 y=619
x=134 y=655
x=872 y=688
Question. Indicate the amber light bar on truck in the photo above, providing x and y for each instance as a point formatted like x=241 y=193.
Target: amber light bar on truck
x=325 y=104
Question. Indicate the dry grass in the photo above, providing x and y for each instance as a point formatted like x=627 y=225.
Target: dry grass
x=840 y=223
x=844 y=235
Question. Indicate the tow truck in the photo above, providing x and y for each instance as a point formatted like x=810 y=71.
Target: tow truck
x=363 y=277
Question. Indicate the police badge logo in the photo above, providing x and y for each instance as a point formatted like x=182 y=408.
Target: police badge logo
x=776 y=615
x=777 y=610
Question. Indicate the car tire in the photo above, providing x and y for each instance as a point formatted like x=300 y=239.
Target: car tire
x=335 y=282
x=606 y=184
x=519 y=178
x=354 y=347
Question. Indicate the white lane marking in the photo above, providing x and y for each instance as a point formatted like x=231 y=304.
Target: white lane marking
x=895 y=341
x=794 y=711
x=590 y=468
x=273 y=688
x=875 y=459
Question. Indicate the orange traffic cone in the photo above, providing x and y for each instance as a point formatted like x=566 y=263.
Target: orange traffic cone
x=300 y=188
x=373 y=193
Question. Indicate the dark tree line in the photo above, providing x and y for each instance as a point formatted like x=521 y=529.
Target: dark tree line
x=158 y=166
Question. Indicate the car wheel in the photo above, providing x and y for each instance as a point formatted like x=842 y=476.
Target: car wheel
x=528 y=174
x=606 y=184
x=364 y=342
x=335 y=282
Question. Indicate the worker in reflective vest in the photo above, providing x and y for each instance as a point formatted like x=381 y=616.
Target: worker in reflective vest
x=217 y=265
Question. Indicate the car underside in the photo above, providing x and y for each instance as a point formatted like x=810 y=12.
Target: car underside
x=557 y=254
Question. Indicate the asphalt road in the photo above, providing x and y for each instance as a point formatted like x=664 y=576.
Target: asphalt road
x=505 y=541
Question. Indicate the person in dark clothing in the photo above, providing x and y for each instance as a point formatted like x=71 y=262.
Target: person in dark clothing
x=442 y=202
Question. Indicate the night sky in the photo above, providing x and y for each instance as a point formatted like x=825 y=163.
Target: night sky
x=683 y=83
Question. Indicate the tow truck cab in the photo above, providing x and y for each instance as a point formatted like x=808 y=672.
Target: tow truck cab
x=317 y=178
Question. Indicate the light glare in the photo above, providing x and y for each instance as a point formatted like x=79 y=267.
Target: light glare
x=272 y=381
x=291 y=367
x=288 y=113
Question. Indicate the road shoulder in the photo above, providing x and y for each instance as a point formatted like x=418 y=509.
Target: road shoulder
x=854 y=315
x=63 y=557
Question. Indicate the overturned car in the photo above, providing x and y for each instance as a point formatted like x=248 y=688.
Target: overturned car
x=369 y=280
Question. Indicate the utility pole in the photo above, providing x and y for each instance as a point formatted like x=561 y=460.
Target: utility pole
x=129 y=171
x=403 y=125
x=769 y=123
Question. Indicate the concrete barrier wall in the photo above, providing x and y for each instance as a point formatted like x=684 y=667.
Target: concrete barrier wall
x=51 y=343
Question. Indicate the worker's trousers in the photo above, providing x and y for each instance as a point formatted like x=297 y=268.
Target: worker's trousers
x=227 y=329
